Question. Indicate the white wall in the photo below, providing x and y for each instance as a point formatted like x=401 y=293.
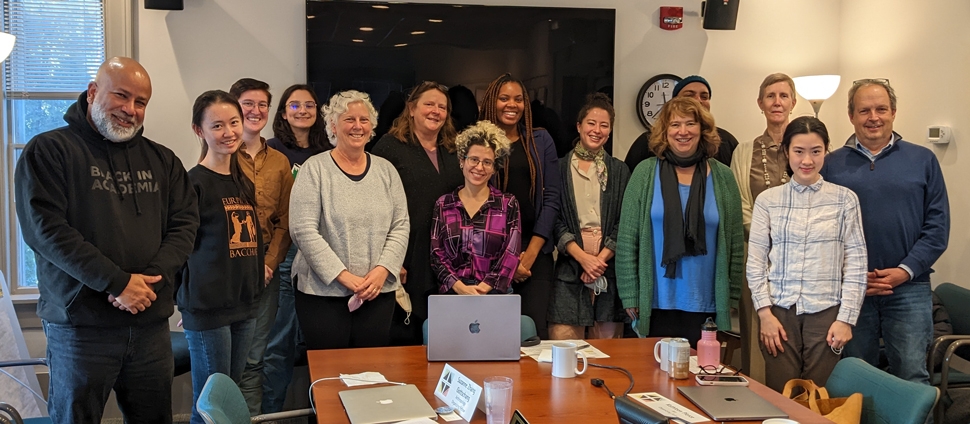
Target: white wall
x=922 y=47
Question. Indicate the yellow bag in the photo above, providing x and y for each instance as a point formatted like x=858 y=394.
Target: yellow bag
x=839 y=410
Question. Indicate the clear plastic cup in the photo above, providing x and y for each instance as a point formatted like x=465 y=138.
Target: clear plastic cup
x=498 y=400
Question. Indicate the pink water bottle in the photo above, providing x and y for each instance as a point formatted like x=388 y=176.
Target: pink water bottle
x=708 y=348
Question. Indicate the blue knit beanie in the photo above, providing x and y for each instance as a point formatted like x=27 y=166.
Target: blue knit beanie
x=693 y=78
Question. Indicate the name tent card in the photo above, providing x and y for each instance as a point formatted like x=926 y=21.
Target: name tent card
x=458 y=392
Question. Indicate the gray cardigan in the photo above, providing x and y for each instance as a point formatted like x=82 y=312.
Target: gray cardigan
x=340 y=224
x=567 y=225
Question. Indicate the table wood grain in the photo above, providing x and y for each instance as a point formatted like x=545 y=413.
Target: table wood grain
x=540 y=397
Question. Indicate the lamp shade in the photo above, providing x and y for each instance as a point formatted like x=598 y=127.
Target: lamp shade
x=817 y=87
x=6 y=45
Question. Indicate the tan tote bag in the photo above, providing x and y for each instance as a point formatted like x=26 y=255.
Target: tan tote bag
x=847 y=410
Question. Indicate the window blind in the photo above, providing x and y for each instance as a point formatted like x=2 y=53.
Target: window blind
x=60 y=45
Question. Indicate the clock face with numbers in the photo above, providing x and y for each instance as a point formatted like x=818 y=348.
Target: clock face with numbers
x=654 y=93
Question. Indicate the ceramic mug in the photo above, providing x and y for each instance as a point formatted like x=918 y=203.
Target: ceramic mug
x=661 y=353
x=564 y=360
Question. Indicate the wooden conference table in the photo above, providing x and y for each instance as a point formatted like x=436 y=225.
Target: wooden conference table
x=540 y=397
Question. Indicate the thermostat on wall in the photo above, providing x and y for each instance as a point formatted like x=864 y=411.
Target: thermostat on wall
x=939 y=134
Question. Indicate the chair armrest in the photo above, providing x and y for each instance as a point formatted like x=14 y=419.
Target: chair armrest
x=945 y=372
x=24 y=362
x=931 y=358
x=278 y=416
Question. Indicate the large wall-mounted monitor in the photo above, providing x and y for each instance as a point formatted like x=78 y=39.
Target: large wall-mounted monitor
x=384 y=49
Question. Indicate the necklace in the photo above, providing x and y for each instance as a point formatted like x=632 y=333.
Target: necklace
x=764 y=163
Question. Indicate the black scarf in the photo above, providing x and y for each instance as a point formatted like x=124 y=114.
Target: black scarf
x=683 y=230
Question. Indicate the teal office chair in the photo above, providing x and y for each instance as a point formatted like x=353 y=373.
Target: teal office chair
x=956 y=302
x=526 y=325
x=887 y=399
x=221 y=402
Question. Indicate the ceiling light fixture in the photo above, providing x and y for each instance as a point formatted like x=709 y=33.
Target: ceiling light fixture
x=380 y=6
x=417 y=32
x=357 y=40
x=437 y=21
x=368 y=29
x=400 y=45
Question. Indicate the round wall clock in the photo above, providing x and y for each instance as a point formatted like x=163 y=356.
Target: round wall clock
x=654 y=93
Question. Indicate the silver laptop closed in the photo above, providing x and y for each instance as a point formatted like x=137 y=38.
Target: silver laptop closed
x=388 y=404
x=474 y=328
x=731 y=403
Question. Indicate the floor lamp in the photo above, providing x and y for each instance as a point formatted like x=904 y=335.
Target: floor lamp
x=816 y=89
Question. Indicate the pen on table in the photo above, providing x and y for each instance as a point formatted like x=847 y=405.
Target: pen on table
x=582 y=347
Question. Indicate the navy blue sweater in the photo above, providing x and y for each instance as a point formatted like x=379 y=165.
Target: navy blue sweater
x=905 y=210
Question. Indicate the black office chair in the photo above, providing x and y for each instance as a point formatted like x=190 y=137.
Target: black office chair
x=956 y=301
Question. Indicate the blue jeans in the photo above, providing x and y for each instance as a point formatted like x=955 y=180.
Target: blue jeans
x=87 y=362
x=223 y=350
x=251 y=383
x=904 y=320
x=280 y=355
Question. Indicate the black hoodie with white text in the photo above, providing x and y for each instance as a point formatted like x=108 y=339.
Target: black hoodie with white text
x=94 y=212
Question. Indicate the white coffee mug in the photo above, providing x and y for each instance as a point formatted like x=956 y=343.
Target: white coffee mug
x=564 y=360
x=661 y=353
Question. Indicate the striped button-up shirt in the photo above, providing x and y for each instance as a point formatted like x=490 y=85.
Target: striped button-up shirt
x=807 y=249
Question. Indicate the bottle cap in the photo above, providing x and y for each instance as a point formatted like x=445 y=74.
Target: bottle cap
x=709 y=325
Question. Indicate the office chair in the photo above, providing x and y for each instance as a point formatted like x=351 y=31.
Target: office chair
x=221 y=402
x=887 y=399
x=956 y=302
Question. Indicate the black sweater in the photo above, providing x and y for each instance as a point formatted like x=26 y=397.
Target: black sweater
x=224 y=274
x=94 y=212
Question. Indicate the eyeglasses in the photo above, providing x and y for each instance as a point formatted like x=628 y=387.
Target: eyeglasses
x=474 y=161
x=295 y=106
x=715 y=370
x=866 y=81
x=249 y=104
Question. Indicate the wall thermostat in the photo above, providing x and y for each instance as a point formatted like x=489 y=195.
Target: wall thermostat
x=939 y=134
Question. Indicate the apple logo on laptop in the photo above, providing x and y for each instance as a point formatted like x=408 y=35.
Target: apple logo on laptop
x=474 y=327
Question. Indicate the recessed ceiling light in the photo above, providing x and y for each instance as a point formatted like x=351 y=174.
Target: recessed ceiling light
x=380 y=6
x=417 y=32
x=400 y=45
x=366 y=29
x=357 y=40
x=437 y=21
x=310 y=16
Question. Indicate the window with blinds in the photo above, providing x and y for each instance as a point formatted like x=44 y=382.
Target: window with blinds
x=60 y=45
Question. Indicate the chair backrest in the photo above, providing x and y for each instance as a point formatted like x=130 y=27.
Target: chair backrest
x=221 y=401
x=887 y=399
x=526 y=325
x=956 y=300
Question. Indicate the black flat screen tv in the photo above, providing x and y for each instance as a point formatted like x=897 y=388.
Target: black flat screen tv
x=385 y=49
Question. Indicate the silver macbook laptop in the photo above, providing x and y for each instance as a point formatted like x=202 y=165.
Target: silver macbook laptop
x=388 y=404
x=731 y=403
x=474 y=328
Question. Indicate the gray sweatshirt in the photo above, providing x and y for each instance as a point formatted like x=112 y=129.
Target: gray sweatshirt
x=341 y=224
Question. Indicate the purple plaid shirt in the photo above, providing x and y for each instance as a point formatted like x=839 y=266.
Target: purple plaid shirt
x=485 y=247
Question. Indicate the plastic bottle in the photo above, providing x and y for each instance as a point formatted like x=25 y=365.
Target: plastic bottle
x=708 y=348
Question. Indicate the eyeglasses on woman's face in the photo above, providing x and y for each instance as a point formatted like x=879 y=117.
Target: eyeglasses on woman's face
x=474 y=161
x=249 y=104
x=295 y=106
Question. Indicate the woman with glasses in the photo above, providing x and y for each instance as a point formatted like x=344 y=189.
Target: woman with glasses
x=421 y=146
x=475 y=239
x=348 y=215
x=680 y=255
x=584 y=294
x=299 y=134
x=532 y=176
x=806 y=263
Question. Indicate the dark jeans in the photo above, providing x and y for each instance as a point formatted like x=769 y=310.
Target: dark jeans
x=223 y=350
x=904 y=321
x=251 y=383
x=328 y=324
x=87 y=362
x=281 y=349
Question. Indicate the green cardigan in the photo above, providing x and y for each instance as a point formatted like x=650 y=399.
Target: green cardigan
x=635 y=267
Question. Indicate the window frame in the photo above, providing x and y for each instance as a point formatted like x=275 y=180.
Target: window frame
x=118 y=41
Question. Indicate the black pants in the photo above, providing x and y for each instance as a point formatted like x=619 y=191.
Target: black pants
x=327 y=323
x=536 y=291
x=674 y=323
